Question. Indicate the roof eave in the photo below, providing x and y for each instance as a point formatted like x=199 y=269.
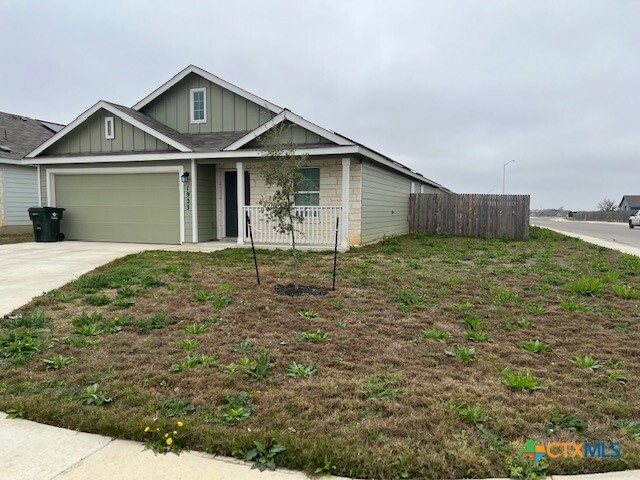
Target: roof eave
x=212 y=78
x=114 y=110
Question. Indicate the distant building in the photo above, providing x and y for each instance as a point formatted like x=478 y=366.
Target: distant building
x=630 y=203
x=18 y=182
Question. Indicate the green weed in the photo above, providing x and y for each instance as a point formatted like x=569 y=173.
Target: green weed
x=586 y=286
x=436 y=334
x=587 y=361
x=535 y=346
x=299 y=370
x=467 y=355
x=522 y=380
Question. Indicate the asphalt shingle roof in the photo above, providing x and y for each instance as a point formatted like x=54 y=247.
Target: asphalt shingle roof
x=632 y=200
x=198 y=142
x=20 y=135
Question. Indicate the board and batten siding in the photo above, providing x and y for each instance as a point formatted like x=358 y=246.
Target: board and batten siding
x=297 y=134
x=225 y=110
x=19 y=193
x=385 y=202
x=206 y=203
x=186 y=165
x=90 y=138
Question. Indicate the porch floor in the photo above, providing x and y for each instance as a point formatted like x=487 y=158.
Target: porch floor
x=231 y=243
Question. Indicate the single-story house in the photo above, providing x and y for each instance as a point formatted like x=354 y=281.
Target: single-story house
x=18 y=182
x=183 y=165
x=629 y=203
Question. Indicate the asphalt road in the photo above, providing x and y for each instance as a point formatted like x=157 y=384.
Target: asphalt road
x=611 y=232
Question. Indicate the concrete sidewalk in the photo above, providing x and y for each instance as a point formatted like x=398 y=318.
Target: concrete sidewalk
x=598 y=241
x=32 y=451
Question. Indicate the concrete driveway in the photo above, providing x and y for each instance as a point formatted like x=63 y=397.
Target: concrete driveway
x=28 y=269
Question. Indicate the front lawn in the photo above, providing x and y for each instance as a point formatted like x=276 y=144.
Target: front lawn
x=8 y=238
x=436 y=357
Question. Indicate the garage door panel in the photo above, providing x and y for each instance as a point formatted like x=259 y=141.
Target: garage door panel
x=140 y=207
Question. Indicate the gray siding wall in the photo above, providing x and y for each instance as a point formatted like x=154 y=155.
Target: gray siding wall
x=20 y=192
x=225 y=111
x=385 y=202
x=90 y=138
x=186 y=164
x=206 y=203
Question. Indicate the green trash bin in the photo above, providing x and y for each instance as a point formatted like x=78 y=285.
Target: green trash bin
x=46 y=223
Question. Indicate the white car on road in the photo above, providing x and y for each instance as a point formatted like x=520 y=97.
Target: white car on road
x=634 y=220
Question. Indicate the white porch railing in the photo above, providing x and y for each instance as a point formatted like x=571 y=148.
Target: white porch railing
x=317 y=228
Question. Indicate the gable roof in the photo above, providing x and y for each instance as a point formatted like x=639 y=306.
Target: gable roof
x=298 y=120
x=19 y=135
x=137 y=119
x=227 y=143
x=213 y=79
x=632 y=200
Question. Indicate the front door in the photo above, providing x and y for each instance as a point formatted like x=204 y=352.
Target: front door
x=231 y=201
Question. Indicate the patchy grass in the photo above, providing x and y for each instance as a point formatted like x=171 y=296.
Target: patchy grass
x=10 y=238
x=352 y=383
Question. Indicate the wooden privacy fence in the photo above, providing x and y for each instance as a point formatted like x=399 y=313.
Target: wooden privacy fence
x=618 y=216
x=470 y=215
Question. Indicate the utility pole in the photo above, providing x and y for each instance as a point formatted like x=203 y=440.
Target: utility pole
x=504 y=173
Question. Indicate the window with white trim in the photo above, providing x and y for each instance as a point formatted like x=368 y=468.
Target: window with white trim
x=198 y=105
x=109 y=133
x=309 y=189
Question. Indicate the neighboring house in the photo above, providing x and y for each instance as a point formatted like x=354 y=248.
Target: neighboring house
x=175 y=167
x=630 y=203
x=18 y=183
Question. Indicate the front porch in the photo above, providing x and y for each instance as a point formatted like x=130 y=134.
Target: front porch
x=223 y=201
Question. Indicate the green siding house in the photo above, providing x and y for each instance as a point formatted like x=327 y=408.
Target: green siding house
x=183 y=166
x=18 y=182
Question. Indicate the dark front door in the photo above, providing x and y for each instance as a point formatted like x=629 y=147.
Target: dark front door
x=231 y=201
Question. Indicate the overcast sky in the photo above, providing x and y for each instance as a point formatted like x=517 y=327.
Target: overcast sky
x=452 y=88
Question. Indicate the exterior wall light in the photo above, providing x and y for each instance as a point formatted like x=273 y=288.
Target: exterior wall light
x=184 y=178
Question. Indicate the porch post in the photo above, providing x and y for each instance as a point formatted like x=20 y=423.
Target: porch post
x=240 y=190
x=194 y=201
x=346 y=169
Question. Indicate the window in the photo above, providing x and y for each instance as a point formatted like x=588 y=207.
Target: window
x=309 y=188
x=108 y=128
x=198 y=105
